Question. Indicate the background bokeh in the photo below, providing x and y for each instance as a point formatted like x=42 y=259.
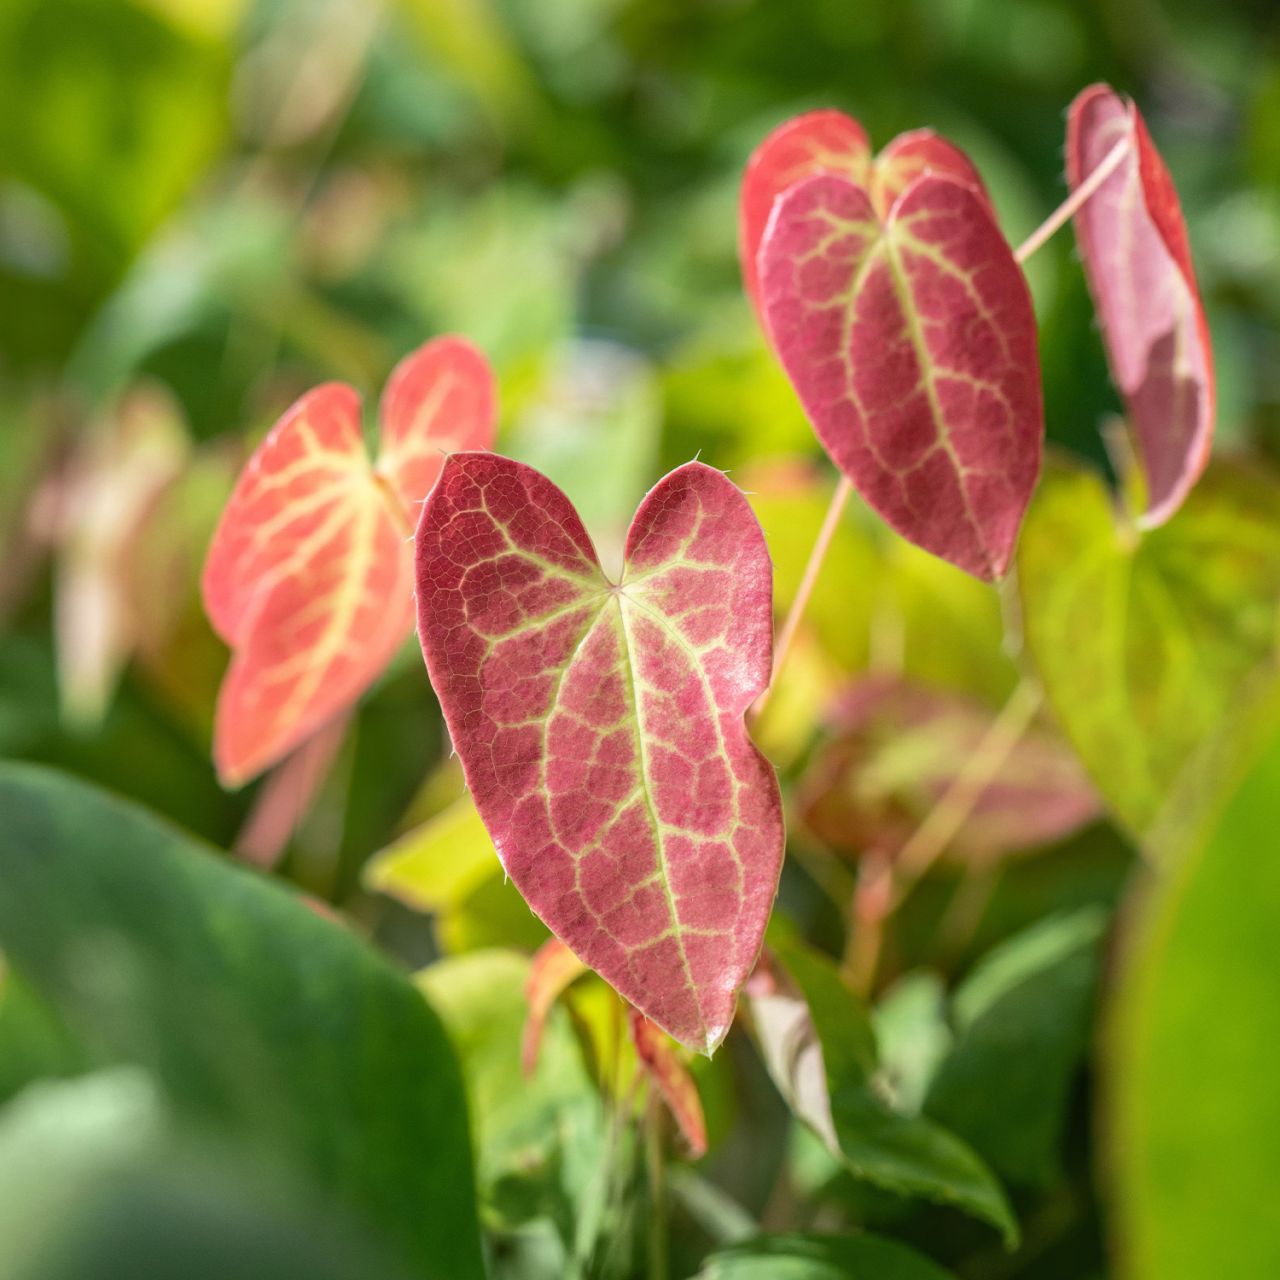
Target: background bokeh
x=208 y=206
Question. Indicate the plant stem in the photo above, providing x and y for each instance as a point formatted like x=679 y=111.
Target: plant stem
x=875 y=902
x=659 y=1266
x=1102 y=171
x=839 y=500
x=956 y=803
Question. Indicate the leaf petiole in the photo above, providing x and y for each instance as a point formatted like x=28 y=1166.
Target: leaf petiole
x=786 y=637
x=1054 y=222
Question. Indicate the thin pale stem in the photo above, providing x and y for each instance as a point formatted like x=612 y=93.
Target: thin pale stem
x=884 y=895
x=956 y=803
x=786 y=637
x=1102 y=171
x=659 y=1265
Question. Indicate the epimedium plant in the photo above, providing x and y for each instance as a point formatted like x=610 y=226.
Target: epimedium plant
x=604 y=723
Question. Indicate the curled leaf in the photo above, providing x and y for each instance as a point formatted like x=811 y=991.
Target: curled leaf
x=658 y=1058
x=896 y=748
x=600 y=724
x=911 y=342
x=309 y=576
x=551 y=971
x=1133 y=243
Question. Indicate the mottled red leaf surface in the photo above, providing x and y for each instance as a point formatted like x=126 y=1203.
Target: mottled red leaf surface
x=911 y=343
x=309 y=578
x=552 y=970
x=894 y=749
x=1133 y=243
x=660 y=1062
x=600 y=724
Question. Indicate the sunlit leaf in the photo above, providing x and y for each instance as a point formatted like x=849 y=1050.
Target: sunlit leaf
x=1133 y=243
x=309 y=577
x=820 y=1257
x=552 y=969
x=600 y=725
x=895 y=748
x=1143 y=642
x=255 y=1015
x=819 y=1045
x=1194 y=1117
x=911 y=342
x=671 y=1078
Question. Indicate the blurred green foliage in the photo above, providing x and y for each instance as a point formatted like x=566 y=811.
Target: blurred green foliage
x=207 y=206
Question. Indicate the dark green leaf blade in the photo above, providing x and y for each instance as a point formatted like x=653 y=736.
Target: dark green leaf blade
x=1025 y=1016
x=255 y=1014
x=909 y=1155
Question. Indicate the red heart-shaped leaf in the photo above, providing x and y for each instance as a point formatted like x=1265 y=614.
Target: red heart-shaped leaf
x=911 y=155
x=912 y=345
x=309 y=577
x=600 y=725
x=832 y=142
x=819 y=142
x=1133 y=243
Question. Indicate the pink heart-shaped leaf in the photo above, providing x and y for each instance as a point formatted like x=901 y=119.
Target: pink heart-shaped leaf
x=309 y=578
x=1133 y=243
x=911 y=343
x=600 y=724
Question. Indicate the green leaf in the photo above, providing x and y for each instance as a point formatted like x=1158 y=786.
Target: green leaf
x=1023 y=1018
x=817 y=1257
x=257 y=1016
x=905 y=1154
x=1143 y=642
x=912 y=1032
x=108 y=113
x=1194 y=1133
x=538 y=1140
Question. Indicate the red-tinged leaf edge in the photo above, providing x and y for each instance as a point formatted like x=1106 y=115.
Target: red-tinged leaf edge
x=658 y=1058
x=1151 y=314
x=912 y=346
x=552 y=970
x=600 y=725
